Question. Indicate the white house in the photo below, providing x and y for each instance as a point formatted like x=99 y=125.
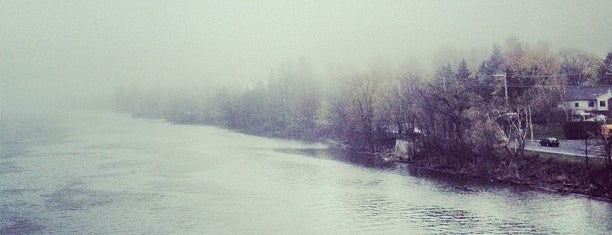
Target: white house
x=588 y=100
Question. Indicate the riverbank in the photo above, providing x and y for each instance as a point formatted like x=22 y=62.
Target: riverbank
x=541 y=171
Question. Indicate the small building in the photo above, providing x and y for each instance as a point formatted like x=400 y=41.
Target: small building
x=588 y=101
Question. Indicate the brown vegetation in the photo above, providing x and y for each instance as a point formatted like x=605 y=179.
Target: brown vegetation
x=466 y=120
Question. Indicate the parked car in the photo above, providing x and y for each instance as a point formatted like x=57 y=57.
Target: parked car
x=549 y=142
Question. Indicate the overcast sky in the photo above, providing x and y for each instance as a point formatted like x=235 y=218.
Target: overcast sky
x=52 y=49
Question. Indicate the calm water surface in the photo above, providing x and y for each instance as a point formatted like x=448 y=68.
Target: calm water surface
x=104 y=173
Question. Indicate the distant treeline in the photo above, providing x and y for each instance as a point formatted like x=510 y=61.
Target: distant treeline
x=452 y=114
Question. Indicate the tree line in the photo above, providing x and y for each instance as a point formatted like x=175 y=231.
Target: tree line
x=461 y=113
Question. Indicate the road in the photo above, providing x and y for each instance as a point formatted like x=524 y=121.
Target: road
x=569 y=147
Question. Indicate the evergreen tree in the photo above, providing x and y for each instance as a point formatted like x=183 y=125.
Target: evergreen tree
x=486 y=72
x=463 y=73
x=445 y=75
x=463 y=76
x=604 y=72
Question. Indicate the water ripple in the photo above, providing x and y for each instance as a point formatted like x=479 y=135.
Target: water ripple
x=19 y=225
x=77 y=197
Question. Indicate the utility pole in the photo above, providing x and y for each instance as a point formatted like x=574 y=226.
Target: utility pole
x=506 y=90
x=505 y=87
x=530 y=123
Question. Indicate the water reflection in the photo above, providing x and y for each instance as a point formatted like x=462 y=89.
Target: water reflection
x=77 y=197
x=19 y=225
x=312 y=152
x=141 y=176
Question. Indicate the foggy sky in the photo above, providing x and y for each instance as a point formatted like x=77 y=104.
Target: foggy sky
x=56 y=50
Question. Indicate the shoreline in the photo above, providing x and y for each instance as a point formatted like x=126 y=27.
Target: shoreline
x=545 y=184
x=563 y=182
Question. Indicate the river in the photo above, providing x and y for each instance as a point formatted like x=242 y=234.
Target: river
x=104 y=173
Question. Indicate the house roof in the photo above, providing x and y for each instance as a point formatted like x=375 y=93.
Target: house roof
x=586 y=93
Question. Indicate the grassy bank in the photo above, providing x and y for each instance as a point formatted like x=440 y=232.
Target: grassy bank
x=566 y=174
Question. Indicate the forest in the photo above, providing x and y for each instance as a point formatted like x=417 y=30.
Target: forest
x=459 y=115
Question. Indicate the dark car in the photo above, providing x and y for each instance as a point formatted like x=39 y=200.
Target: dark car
x=549 y=142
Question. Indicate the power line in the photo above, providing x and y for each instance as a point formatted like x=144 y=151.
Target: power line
x=532 y=86
x=522 y=86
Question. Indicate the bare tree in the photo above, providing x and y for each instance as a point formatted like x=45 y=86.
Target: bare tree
x=579 y=67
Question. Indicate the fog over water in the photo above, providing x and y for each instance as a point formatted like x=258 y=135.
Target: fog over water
x=69 y=169
x=57 y=51
x=104 y=173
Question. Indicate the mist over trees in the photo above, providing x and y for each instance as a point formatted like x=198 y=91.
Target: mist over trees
x=454 y=113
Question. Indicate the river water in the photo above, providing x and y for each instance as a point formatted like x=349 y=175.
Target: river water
x=105 y=173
